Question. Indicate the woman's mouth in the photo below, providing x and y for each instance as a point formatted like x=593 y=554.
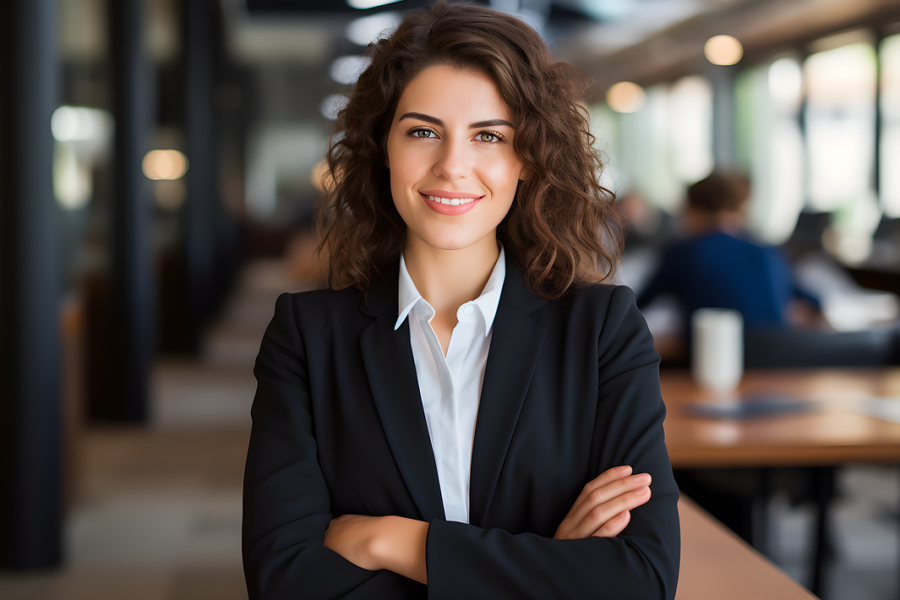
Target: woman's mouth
x=450 y=206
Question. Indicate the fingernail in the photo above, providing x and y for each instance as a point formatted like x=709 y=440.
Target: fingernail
x=624 y=469
x=642 y=479
x=642 y=491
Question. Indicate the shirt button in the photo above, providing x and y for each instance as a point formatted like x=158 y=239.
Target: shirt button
x=468 y=310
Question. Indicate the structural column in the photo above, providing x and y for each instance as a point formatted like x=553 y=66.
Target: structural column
x=30 y=288
x=200 y=211
x=133 y=298
x=722 y=80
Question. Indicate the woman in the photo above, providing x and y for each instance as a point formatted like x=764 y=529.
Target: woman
x=367 y=476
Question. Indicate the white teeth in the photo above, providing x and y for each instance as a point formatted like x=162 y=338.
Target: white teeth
x=451 y=201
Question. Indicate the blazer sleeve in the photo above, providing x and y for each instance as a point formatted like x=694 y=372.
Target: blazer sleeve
x=286 y=507
x=465 y=561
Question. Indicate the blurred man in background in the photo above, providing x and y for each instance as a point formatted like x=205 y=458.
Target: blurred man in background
x=718 y=265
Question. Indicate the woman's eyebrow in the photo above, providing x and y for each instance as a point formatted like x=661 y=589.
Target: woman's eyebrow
x=491 y=123
x=438 y=122
x=421 y=117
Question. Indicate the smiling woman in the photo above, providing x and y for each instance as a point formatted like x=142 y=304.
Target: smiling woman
x=465 y=226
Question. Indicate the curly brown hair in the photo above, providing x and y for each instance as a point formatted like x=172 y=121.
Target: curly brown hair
x=561 y=229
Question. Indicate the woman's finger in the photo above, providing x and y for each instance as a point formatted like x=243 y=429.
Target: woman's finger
x=603 y=494
x=614 y=526
x=605 y=478
x=601 y=514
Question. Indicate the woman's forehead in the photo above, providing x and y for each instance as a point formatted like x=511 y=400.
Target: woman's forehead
x=453 y=95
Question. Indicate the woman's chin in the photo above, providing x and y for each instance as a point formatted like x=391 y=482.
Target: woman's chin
x=451 y=242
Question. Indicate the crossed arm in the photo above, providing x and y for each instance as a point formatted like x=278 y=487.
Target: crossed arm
x=397 y=544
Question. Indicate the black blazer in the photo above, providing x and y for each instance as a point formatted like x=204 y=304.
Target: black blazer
x=571 y=388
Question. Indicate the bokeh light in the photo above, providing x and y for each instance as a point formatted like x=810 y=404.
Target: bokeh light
x=723 y=50
x=367 y=29
x=332 y=105
x=164 y=164
x=625 y=97
x=347 y=69
x=80 y=124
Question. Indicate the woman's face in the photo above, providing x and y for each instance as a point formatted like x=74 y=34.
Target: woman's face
x=450 y=153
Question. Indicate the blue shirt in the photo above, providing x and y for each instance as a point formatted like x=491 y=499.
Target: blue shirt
x=717 y=270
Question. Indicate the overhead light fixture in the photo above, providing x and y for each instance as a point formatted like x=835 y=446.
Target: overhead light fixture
x=164 y=164
x=72 y=183
x=365 y=4
x=625 y=97
x=723 y=50
x=80 y=124
x=347 y=69
x=365 y=30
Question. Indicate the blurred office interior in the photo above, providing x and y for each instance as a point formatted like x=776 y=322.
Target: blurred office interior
x=160 y=162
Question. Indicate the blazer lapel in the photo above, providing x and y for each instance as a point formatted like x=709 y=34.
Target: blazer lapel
x=515 y=346
x=392 y=377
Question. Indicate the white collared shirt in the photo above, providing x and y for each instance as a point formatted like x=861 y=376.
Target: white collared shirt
x=451 y=386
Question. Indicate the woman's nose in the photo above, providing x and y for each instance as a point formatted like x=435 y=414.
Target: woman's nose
x=453 y=161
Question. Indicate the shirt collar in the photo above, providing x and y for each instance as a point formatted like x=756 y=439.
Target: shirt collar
x=487 y=302
x=407 y=294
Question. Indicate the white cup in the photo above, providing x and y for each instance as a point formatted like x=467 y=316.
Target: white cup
x=717 y=357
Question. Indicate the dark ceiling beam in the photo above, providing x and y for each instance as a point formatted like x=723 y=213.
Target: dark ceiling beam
x=327 y=6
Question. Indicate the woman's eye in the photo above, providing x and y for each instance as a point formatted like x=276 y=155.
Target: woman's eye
x=487 y=138
x=423 y=133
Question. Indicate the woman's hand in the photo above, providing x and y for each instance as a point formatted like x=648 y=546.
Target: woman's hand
x=354 y=537
x=393 y=543
x=603 y=507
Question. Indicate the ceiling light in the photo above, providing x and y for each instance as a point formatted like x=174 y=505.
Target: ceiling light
x=332 y=105
x=347 y=69
x=79 y=124
x=367 y=29
x=723 y=50
x=364 y=4
x=164 y=164
x=625 y=97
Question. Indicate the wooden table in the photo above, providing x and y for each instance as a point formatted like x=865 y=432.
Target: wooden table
x=836 y=434
x=717 y=565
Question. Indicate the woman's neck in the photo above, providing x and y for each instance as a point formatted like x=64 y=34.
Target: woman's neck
x=449 y=278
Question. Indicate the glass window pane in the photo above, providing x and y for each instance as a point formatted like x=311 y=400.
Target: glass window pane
x=890 y=128
x=770 y=146
x=840 y=143
x=840 y=125
x=690 y=128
